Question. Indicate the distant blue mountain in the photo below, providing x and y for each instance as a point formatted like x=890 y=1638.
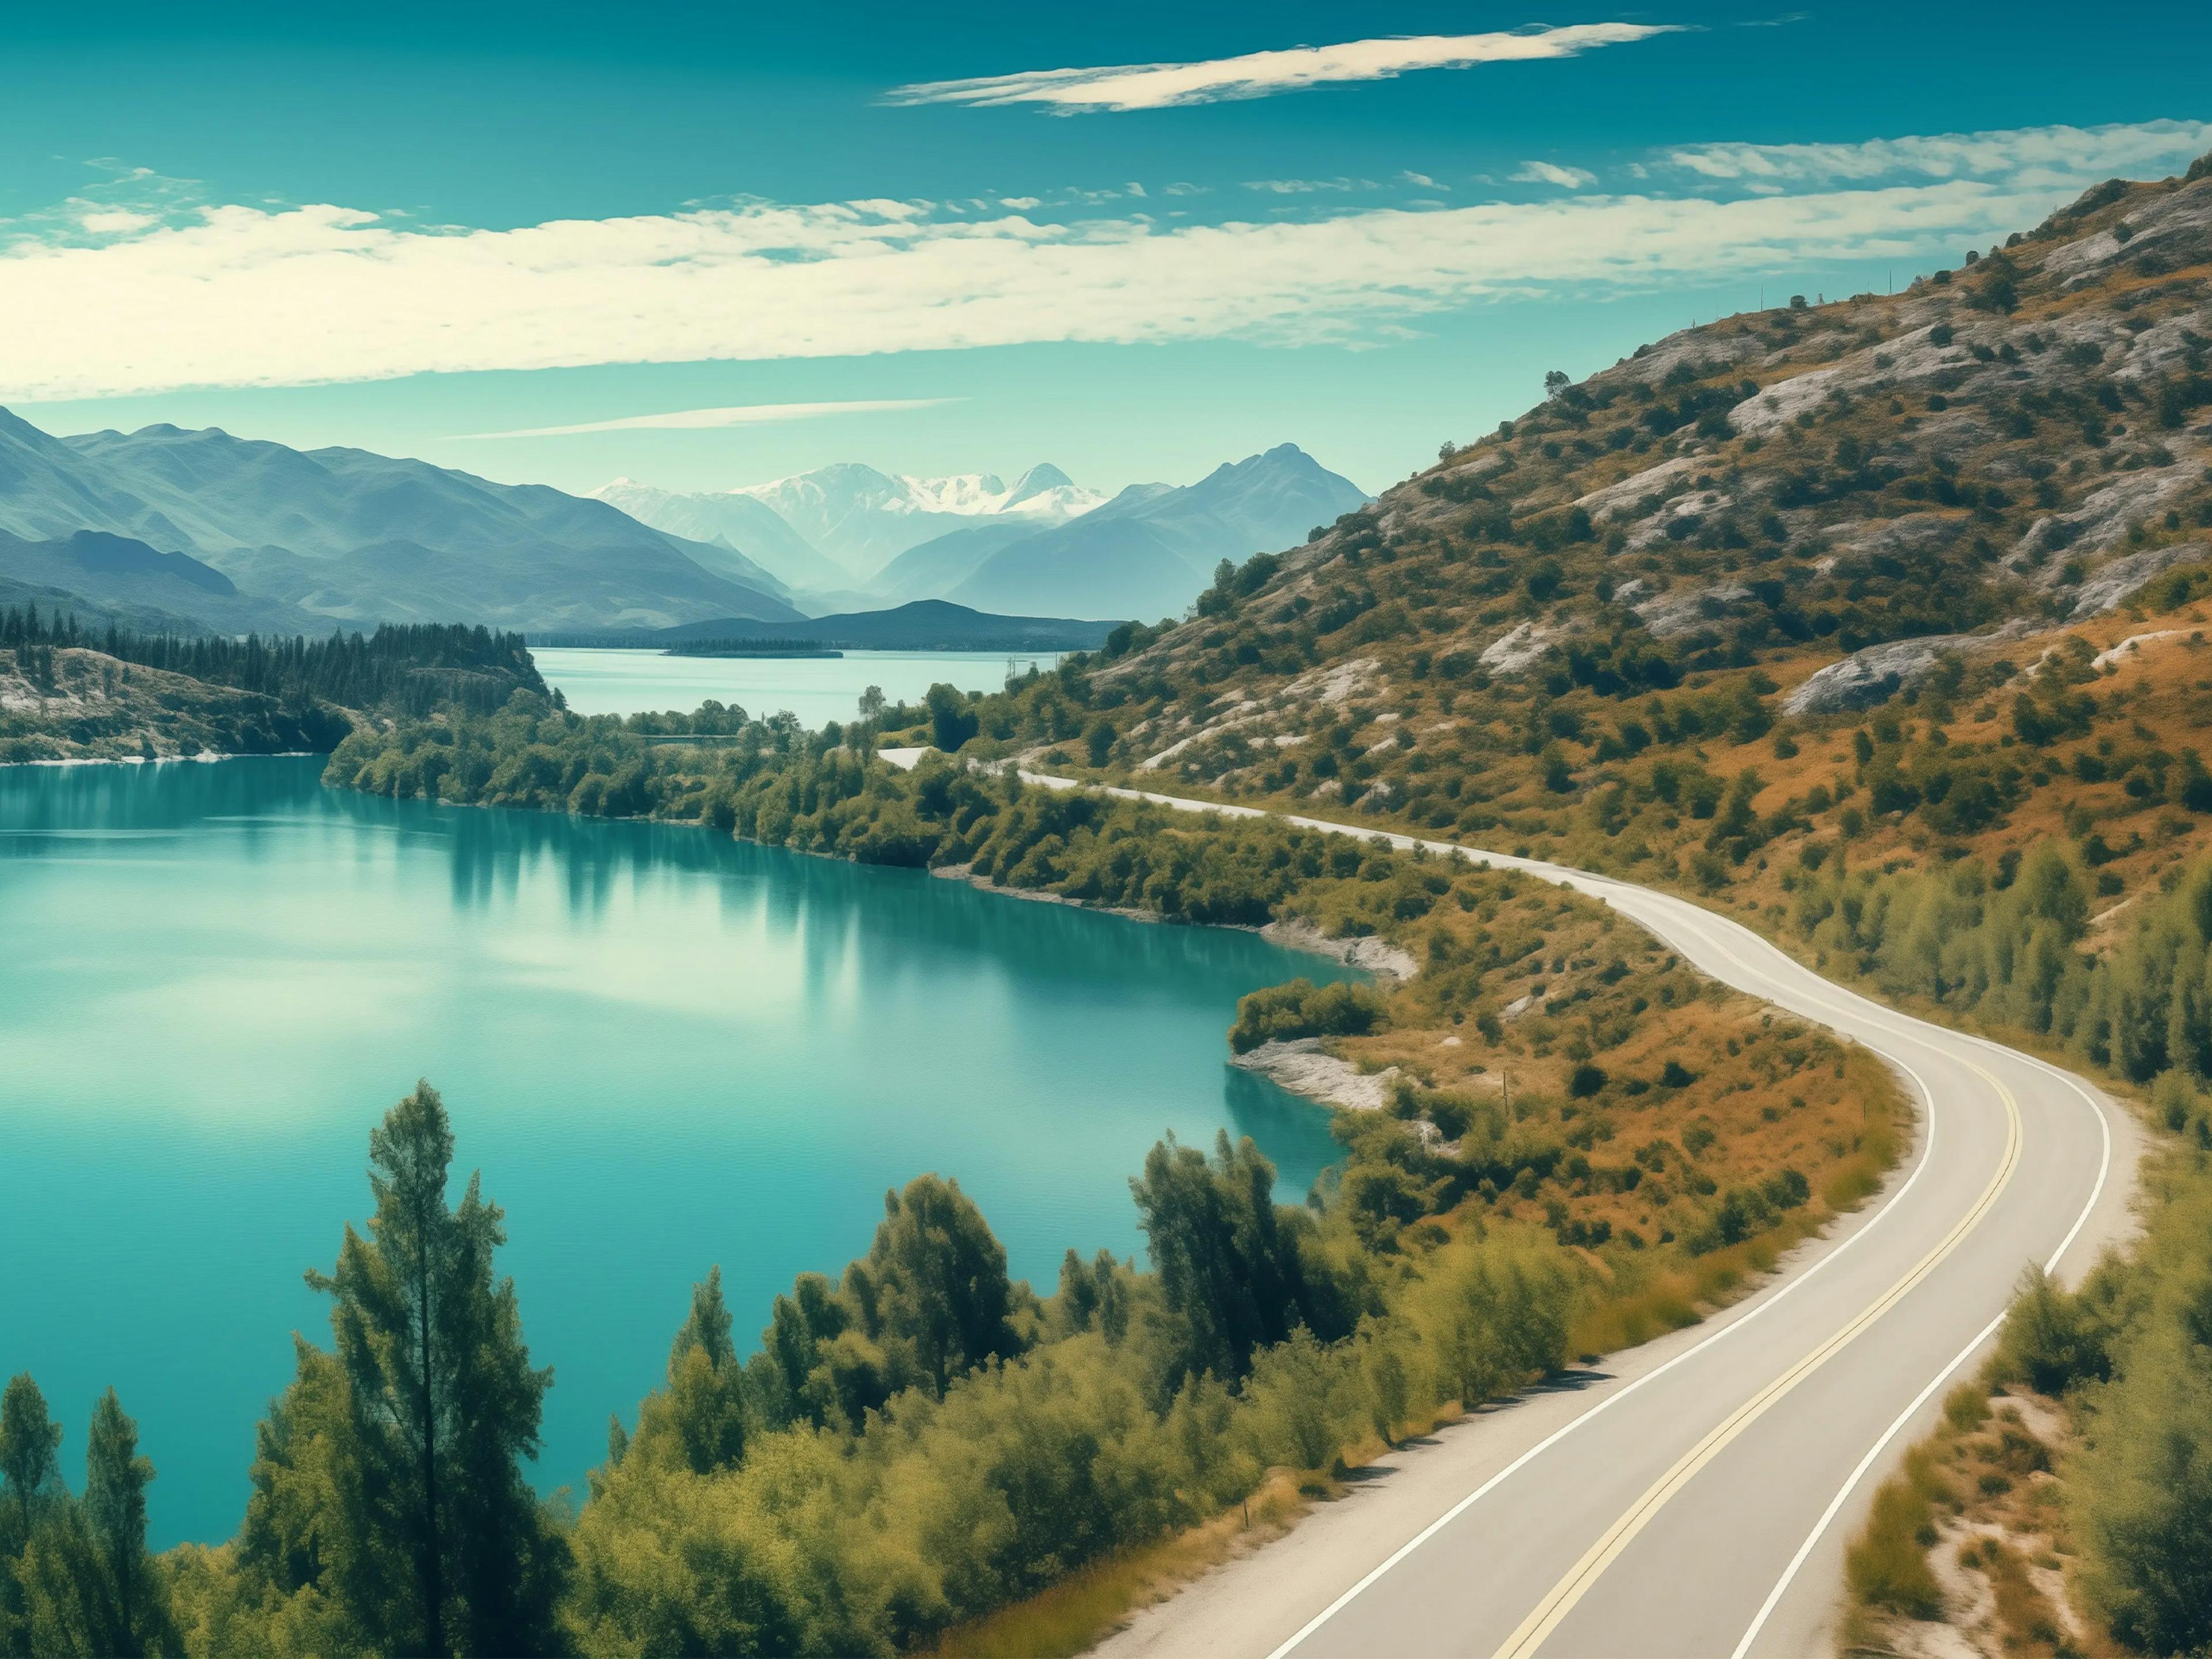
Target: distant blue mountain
x=1151 y=550
x=103 y=577
x=346 y=534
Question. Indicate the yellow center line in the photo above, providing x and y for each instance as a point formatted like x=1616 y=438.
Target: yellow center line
x=1563 y=1596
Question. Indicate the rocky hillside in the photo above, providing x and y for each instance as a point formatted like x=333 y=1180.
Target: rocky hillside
x=1888 y=569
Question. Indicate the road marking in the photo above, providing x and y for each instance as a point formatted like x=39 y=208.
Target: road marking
x=1788 y=1287
x=1561 y=1599
x=1874 y=1452
x=1717 y=932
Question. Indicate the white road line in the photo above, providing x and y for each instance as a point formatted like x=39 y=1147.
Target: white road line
x=1832 y=998
x=1873 y=1453
x=1927 y=1155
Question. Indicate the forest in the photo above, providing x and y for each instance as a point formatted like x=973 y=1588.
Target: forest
x=401 y=668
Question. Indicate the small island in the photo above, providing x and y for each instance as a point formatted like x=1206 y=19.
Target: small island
x=749 y=647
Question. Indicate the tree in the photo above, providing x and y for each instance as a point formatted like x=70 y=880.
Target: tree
x=933 y=1291
x=88 y=1586
x=871 y=705
x=30 y=1484
x=951 y=722
x=116 y=1476
x=699 y=1419
x=2141 y=1498
x=1555 y=382
x=1232 y=1264
x=30 y=1469
x=402 y=1446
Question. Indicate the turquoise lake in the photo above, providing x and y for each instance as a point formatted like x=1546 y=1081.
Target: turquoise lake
x=819 y=689
x=664 y=1049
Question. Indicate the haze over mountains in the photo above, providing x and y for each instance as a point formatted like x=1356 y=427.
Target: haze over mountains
x=345 y=535
x=165 y=528
x=1044 y=546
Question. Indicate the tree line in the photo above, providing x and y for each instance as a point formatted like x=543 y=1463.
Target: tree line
x=408 y=668
x=915 y=1442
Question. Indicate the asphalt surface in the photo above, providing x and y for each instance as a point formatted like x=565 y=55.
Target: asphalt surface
x=1692 y=1499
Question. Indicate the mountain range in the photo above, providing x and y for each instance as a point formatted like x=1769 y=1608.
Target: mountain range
x=165 y=527
x=346 y=535
x=1044 y=546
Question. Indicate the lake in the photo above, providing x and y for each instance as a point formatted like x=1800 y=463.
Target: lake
x=664 y=1050
x=819 y=689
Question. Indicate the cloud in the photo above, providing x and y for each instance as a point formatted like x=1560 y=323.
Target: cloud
x=2027 y=154
x=238 y=295
x=1263 y=74
x=113 y=222
x=740 y=415
x=1305 y=186
x=1550 y=173
x=1422 y=180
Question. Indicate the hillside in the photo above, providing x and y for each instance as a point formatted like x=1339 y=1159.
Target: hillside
x=104 y=578
x=345 y=534
x=1905 y=575
x=69 y=693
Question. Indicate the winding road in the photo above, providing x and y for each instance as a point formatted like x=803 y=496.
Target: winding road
x=1691 y=1498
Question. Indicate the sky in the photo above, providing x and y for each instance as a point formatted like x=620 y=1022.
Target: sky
x=707 y=245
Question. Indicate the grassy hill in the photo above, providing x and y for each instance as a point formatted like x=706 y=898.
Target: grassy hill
x=1861 y=572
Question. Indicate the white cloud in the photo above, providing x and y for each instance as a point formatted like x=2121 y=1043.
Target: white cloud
x=740 y=415
x=1304 y=186
x=239 y=295
x=1263 y=74
x=1021 y=204
x=113 y=222
x=1550 y=173
x=2030 y=154
x=1422 y=180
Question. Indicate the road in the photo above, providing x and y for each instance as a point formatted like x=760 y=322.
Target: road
x=1691 y=1498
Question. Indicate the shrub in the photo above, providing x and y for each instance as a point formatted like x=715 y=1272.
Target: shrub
x=1887 y=1564
x=1303 y=1009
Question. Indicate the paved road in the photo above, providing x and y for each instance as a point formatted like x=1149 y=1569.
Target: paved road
x=1693 y=1500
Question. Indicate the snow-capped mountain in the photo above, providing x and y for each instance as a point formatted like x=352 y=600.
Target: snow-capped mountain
x=863 y=518
x=730 y=519
x=840 y=525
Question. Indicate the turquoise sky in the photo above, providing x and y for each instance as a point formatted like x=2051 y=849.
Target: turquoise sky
x=398 y=225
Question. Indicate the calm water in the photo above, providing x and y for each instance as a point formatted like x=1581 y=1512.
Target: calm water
x=663 y=1048
x=817 y=690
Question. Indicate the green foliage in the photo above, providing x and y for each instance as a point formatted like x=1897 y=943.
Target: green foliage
x=1302 y=1009
x=1887 y=1564
x=2139 y=1492
x=404 y=668
x=387 y=1484
x=1237 y=1272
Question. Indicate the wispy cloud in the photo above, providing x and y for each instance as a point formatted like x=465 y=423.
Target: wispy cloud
x=1550 y=172
x=258 y=296
x=740 y=415
x=2028 y=155
x=1125 y=87
x=1306 y=186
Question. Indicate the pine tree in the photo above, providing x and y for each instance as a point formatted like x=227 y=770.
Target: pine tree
x=444 y=1546
x=30 y=1441
x=700 y=1418
x=135 y=1604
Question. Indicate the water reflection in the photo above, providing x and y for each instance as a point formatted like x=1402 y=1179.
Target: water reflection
x=664 y=1050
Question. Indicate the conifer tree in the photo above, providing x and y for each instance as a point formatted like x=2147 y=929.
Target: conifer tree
x=396 y=1459
x=700 y=1418
x=30 y=1440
